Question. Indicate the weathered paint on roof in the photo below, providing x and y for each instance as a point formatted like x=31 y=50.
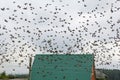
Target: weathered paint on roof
x=62 y=67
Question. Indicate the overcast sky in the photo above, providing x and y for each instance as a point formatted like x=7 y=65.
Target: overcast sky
x=26 y=27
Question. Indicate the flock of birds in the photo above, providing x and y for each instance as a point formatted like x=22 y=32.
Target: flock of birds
x=27 y=28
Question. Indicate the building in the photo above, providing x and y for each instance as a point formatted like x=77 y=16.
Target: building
x=63 y=67
x=100 y=75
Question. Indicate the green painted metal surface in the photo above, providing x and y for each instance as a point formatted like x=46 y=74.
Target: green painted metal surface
x=62 y=67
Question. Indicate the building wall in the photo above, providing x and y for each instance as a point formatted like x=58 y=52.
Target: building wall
x=62 y=67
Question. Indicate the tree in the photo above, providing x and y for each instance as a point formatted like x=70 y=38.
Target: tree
x=3 y=76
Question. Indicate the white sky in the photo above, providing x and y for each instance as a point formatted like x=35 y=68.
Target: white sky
x=96 y=18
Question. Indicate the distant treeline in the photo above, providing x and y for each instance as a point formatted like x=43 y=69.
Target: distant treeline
x=3 y=75
x=111 y=74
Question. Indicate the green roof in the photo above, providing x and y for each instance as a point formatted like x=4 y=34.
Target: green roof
x=62 y=67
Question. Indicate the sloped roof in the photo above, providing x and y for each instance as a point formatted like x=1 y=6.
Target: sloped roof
x=62 y=67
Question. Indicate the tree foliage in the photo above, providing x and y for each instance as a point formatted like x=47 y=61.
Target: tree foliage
x=3 y=76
